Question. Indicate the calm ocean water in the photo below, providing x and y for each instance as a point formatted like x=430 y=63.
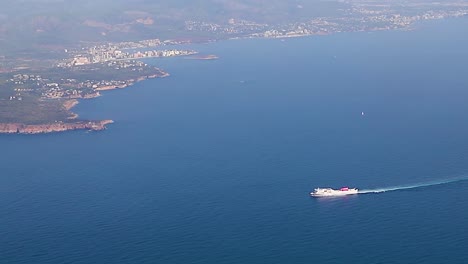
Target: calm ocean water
x=215 y=163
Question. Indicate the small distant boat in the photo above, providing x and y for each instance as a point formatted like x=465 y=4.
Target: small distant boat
x=328 y=192
x=362 y=113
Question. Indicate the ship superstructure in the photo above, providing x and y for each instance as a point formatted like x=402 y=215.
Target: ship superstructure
x=326 y=192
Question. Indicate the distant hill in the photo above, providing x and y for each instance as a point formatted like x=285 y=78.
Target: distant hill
x=30 y=24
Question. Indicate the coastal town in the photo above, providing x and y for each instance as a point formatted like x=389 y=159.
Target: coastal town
x=52 y=93
x=360 y=18
x=81 y=87
x=110 y=52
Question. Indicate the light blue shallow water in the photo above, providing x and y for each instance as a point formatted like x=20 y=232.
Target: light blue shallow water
x=214 y=164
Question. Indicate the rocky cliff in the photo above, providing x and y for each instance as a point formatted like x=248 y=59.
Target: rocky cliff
x=15 y=128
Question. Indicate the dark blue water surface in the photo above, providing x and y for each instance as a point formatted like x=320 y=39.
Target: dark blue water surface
x=214 y=164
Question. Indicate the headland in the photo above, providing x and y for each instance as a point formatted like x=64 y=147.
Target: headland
x=42 y=102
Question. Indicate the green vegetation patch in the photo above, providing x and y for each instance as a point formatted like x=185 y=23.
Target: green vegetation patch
x=32 y=111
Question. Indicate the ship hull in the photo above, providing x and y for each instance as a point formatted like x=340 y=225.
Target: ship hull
x=333 y=193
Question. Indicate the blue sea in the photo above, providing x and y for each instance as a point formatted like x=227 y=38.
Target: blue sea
x=215 y=163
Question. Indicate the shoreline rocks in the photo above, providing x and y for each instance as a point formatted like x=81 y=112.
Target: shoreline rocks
x=18 y=128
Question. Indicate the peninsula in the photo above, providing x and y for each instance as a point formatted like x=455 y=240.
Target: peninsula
x=40 y=100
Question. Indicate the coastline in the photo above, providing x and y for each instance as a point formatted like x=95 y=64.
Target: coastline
x=62 y=126
x=132 y=82
x=17 y=128
x=72 y=122
x=69 y=104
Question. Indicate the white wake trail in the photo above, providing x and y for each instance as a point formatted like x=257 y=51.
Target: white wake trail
x=414 y=186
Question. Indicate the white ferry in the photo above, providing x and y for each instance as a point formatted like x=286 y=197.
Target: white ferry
x=327 y=192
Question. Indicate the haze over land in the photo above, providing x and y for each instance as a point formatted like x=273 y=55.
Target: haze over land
x=37 y=23
x=69 y=21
